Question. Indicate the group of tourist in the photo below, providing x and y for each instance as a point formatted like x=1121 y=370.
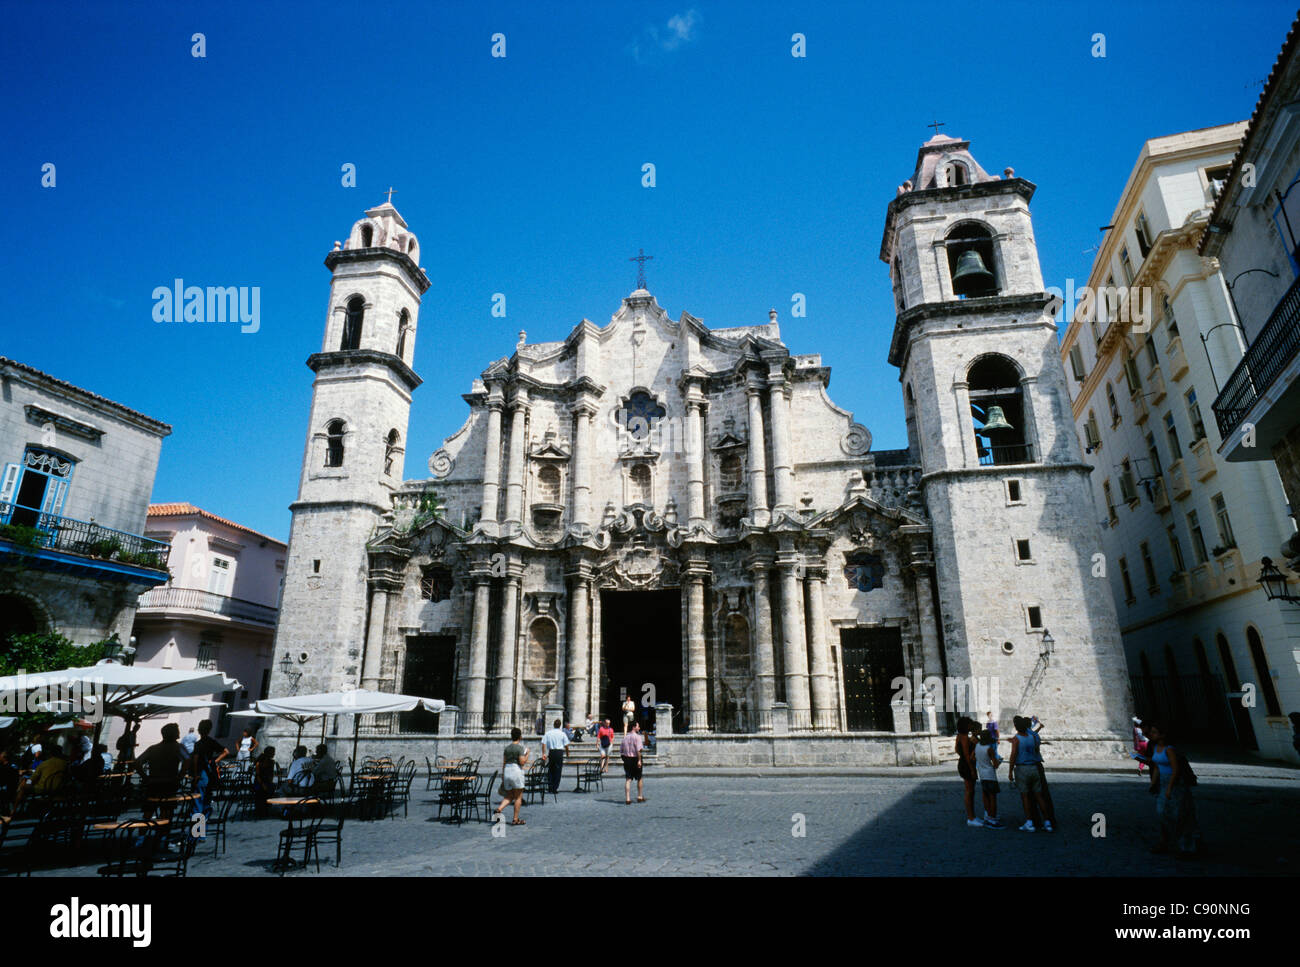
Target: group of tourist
x=978 y=762
x=555 y=743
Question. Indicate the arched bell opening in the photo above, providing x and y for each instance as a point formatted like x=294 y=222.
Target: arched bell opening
x=998 y=412
x=972 y=266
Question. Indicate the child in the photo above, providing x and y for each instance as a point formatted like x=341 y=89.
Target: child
x=1139 y=743
x=987 y=761
x=992 y=726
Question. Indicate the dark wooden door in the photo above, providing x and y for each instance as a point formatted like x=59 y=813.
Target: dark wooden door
x=873 y=658
x=428 y=673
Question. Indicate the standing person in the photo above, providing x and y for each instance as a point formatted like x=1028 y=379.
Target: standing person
x=162 y=764
x=1172 y=780
x=1025 y=773
x=630 y=749
x=514 y=759
x=966 y=766
x=629 y=713
x=992 y=726
x=605 y=736
x=247 y=749
x=987 y=761
x=190 y=741
x=126 y=741
x=1139 y=744
x=205 y=765
x=554 y=743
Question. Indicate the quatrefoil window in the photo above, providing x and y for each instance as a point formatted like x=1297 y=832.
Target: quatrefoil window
x=640 y=414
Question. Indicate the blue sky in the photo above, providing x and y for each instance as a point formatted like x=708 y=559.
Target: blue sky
x=522 y=175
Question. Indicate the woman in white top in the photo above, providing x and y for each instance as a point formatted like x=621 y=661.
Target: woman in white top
x=247 y=746
x=987 y=761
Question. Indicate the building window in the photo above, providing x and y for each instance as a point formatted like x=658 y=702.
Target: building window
x=1023 y=552
x=641 y=414
x=1167 y=317
x=1127 y=488
x=1143 y=232
x=356 y=310
x=207 y=654
x=1126 y=581
x=1153 y=455
x=435 y=583
x=1226 y=538
x=390 y=451
x=1131 y=375
x=1152 y=357
x=334 y=443
x=1076 y=363
x=403 y=327
x=1091 y=432
x=1013 y=492
x=1110 y=503
x=1114 y=407
x=1176 y=549
x=1149 y=568
x=219 y=576
x=1198 y=539
x=1035 y=616
x=864 y=571
x=1194 y=415
x=1126 y=266
x=1171 y=434
x=1217 y=179
x=1260 y=661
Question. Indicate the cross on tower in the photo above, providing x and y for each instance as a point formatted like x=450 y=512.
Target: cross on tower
x=391 y=192
x=641 y=260
x=936 y=125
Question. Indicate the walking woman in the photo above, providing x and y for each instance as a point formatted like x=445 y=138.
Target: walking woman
x=1171 y=781
x=965 y=766
x=512 y=777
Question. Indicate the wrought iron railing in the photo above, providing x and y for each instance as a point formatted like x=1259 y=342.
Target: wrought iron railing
x=997 y=456
x=1270 y=353
x=29 y=527
x=194 y=599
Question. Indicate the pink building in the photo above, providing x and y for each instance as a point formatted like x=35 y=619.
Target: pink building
x=217 y=611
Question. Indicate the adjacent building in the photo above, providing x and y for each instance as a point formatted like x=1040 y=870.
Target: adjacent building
x=681 y=513
x=218 y=611
x=1184 y=529
x=77 y=473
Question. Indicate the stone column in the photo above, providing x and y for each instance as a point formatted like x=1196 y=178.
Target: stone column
x=577 y=694
x=823 y=695
x=476 y=686
x=583 y=413
x=758 y=512
x=373 y=664
x=764 y=660
x=796 y=647
x=696 y=661
x=492 y=460
x=515 y=469
x=782 y=471
x=506 y=652
x=695 y=463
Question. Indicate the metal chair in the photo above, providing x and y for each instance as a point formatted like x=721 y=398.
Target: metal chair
x=177 y=862
x=331 y=831
x=223 y=802
x=590 y=776
x=401 y=786
x=485 y=795
x=537 y=782
x=305 y=819
x=133 y=848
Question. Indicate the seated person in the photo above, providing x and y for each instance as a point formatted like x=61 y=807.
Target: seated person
x=264 y=778
x=49 y=776
x=324 y=771
x=10 y=777
x=299 y=779
x=88 y=769
x=592 y=725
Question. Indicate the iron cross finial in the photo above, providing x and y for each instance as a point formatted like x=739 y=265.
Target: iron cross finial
x=936 y=125
x=391 y=192
x=641 y=259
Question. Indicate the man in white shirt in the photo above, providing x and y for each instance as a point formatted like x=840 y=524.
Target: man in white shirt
x=191 y=739
x=554 y=743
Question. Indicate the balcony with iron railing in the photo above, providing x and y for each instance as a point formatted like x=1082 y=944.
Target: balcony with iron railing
x=50 y=539
x=1268 y=356
x=195 y=599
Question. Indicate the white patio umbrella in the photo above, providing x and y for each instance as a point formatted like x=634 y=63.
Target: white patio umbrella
x=356 y=702
x=294 y=717
x=112 y=684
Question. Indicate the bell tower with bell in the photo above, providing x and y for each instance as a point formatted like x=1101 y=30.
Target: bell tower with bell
x=1027 y=612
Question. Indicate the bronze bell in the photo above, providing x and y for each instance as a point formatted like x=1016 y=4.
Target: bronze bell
x=971 y=276
x=996 y=421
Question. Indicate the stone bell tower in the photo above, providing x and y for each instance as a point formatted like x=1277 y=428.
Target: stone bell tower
x=353 y=459
x=1026 y=607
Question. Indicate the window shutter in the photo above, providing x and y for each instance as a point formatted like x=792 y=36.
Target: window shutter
x=52 y=505
x=10 y=483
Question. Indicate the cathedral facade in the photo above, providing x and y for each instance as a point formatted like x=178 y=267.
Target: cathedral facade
x=657 y=509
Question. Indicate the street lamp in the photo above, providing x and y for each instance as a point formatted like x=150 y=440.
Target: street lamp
x=117 y=653
x=1048 y=642
x=1274 y=582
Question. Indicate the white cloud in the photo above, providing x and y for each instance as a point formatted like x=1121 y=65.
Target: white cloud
x=654 y=39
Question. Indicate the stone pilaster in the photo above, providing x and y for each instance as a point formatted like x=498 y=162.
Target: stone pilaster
x=695 y=461
x=578 y=692
x=782 y=470
x=764 y=660
x=506 y=648
x=373 y=664
x=796 y=647
x=515 y=468
x=476 y=684
x=492 y=461
x=696 y=662
x=758 y=512
x=583 y=413
x=825 y=711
